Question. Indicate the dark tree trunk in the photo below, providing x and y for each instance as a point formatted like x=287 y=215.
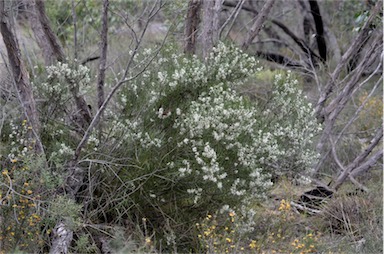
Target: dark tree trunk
x=103 y=54
x=321 y=45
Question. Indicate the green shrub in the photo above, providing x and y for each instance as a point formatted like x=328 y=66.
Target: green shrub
x=196 y=145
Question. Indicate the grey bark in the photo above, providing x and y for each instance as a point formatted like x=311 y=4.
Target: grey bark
x=37 y=29
x=62 y=239
x=50 y=35
x=210 y=25
x=355 y=45
x=358 y=165
x=258 y=24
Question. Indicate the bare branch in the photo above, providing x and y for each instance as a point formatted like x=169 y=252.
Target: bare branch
x=74 y=17
x=279 y=59
x=256 y=27
x=356 y=167
x=232 y=17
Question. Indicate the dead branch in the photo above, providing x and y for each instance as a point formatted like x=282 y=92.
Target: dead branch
x=257 y=25
x=355 y=45
x=357 y=166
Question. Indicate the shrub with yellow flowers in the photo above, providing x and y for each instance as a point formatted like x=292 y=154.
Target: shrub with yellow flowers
x=281 y=237
x=20 y=193
x=219 y=233
x=19 y=210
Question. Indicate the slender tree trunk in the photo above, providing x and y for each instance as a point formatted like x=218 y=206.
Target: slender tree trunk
x=256 y=27
x=210 y=25
x=56 y=47
x=191 y=26
x=20 y=73
x=51 y=37
x=103 y=54
x=48 y=54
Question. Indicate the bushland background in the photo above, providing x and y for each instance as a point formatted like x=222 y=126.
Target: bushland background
x=191 y=126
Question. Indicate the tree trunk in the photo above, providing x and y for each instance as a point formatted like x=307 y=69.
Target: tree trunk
x=191 y=25
x=321 y=45
x=103 y=54
x=50 y=35
x=20 y=73
x=210 y=25
x=48 y=54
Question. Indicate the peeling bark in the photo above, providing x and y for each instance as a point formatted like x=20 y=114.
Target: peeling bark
x=62 y=239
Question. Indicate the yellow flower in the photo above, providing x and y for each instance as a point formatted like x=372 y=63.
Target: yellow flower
x=252 y=245
x=29 y=192
x=209 y=216
x=5 y=172
x=231 y=214
x=229 y=240
x=148 y=240
x=14 y=160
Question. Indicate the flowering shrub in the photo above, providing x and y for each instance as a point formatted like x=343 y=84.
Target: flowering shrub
x=196 y=142
x=20 y=199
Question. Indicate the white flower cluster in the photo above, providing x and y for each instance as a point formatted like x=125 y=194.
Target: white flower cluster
x=61 y=76
x=225 y=64
x=293 y=125
x=132 y=132
x=238 y=146
x=20 y=139
x=78 y=75
x=221 y=130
